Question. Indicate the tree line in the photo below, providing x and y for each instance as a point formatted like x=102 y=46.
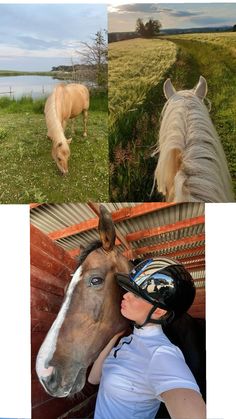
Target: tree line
x=149 y=29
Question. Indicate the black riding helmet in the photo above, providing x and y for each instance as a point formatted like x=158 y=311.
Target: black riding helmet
x=163 y=282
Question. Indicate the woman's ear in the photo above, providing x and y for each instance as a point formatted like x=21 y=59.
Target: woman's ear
x=159 y=312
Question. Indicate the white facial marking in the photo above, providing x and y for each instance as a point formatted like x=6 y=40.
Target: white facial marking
x=49 y=345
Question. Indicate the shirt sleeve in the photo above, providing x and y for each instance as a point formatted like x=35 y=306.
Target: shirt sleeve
x=168 y=370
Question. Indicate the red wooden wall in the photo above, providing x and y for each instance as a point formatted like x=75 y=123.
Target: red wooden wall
x=51 y=267
x=198 y=307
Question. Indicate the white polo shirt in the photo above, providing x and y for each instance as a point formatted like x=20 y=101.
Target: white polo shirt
x=137 y=371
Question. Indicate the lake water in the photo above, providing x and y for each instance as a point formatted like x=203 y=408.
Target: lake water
x=34 y=86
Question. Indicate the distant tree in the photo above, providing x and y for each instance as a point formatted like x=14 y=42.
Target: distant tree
x=149 y=29
x=140 y=28
x=234 y=28
x=96 y=54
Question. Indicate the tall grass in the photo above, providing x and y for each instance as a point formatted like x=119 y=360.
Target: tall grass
x=213 y=56
x=136 y=69
x=28 y=104
x=24 y=104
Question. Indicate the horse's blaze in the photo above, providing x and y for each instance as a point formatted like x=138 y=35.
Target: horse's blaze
x=48 y=347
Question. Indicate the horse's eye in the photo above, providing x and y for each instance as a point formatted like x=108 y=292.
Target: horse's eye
x=58 y=158
x=96 y=280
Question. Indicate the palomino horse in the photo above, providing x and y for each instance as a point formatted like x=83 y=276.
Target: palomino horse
x=192 y=164
x=89 y=317
x=65 y=102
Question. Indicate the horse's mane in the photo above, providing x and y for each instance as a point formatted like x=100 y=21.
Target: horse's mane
x=53 y=122
x=191 y=155
x=85 y=252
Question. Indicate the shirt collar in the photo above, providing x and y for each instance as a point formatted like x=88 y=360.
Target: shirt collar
x=148 y=330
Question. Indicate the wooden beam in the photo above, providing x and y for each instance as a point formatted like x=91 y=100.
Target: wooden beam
x=156 y=231
x=140 y=209
x=195 y=267
x=168 y=245
x=35 y=205
x=184 y=252
x=200 y=258
x=94 y=207
x=200 y=280
x=74 y=229
x=117 y=216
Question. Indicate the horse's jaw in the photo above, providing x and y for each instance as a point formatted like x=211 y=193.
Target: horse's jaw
x=79 y=381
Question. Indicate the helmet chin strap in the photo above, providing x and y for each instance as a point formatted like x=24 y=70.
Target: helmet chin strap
x=165 y=319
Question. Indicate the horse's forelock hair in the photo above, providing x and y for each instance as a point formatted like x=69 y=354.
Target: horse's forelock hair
x=85 y=252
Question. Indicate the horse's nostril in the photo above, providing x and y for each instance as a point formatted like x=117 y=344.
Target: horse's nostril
x=46 y=372
x=50 y=380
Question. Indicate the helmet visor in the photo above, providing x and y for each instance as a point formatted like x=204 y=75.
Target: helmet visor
x=130 y=286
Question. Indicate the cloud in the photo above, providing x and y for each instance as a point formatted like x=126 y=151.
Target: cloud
x=50 y=22
x=180 y=13
x=32 y=43
x=152 y=9
x=48 y=30
x=134 y=8
x=122 y=17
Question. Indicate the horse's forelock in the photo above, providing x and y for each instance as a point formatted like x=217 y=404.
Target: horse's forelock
x=85 y=252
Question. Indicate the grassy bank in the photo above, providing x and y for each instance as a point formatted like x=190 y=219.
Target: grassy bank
x=8 y=73
x=27 y=171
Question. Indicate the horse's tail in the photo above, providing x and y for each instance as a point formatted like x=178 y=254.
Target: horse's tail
x=53 y=122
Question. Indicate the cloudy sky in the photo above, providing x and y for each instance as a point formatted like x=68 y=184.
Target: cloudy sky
x=38 y=36
x=122 y=17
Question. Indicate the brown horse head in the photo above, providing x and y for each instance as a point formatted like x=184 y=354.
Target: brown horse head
x=61 y=154
x=89 y=317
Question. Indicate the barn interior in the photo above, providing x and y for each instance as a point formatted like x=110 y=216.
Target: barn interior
x=174 y=230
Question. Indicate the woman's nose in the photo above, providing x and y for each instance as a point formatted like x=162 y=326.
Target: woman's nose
x=127 y=295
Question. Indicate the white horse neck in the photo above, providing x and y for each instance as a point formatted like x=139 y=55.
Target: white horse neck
x=203 y=173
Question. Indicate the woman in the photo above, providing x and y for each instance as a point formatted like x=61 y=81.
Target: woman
x=146 y=368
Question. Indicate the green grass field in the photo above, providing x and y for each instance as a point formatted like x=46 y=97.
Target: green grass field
x=135 y=70
x=27 y=171
x=135 y=133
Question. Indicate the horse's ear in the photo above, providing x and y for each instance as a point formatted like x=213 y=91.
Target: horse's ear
x=69 y=140
x=201 y=88
x=106 y=229
x=168 y=89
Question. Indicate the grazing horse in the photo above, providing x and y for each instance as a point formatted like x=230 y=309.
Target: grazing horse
x=90 y=316
x=65 y=102
x=192 y=164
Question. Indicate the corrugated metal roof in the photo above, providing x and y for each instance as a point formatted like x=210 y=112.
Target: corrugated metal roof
x=51 y=218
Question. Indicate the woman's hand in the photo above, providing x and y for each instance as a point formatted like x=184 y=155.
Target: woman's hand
x=96 y=370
